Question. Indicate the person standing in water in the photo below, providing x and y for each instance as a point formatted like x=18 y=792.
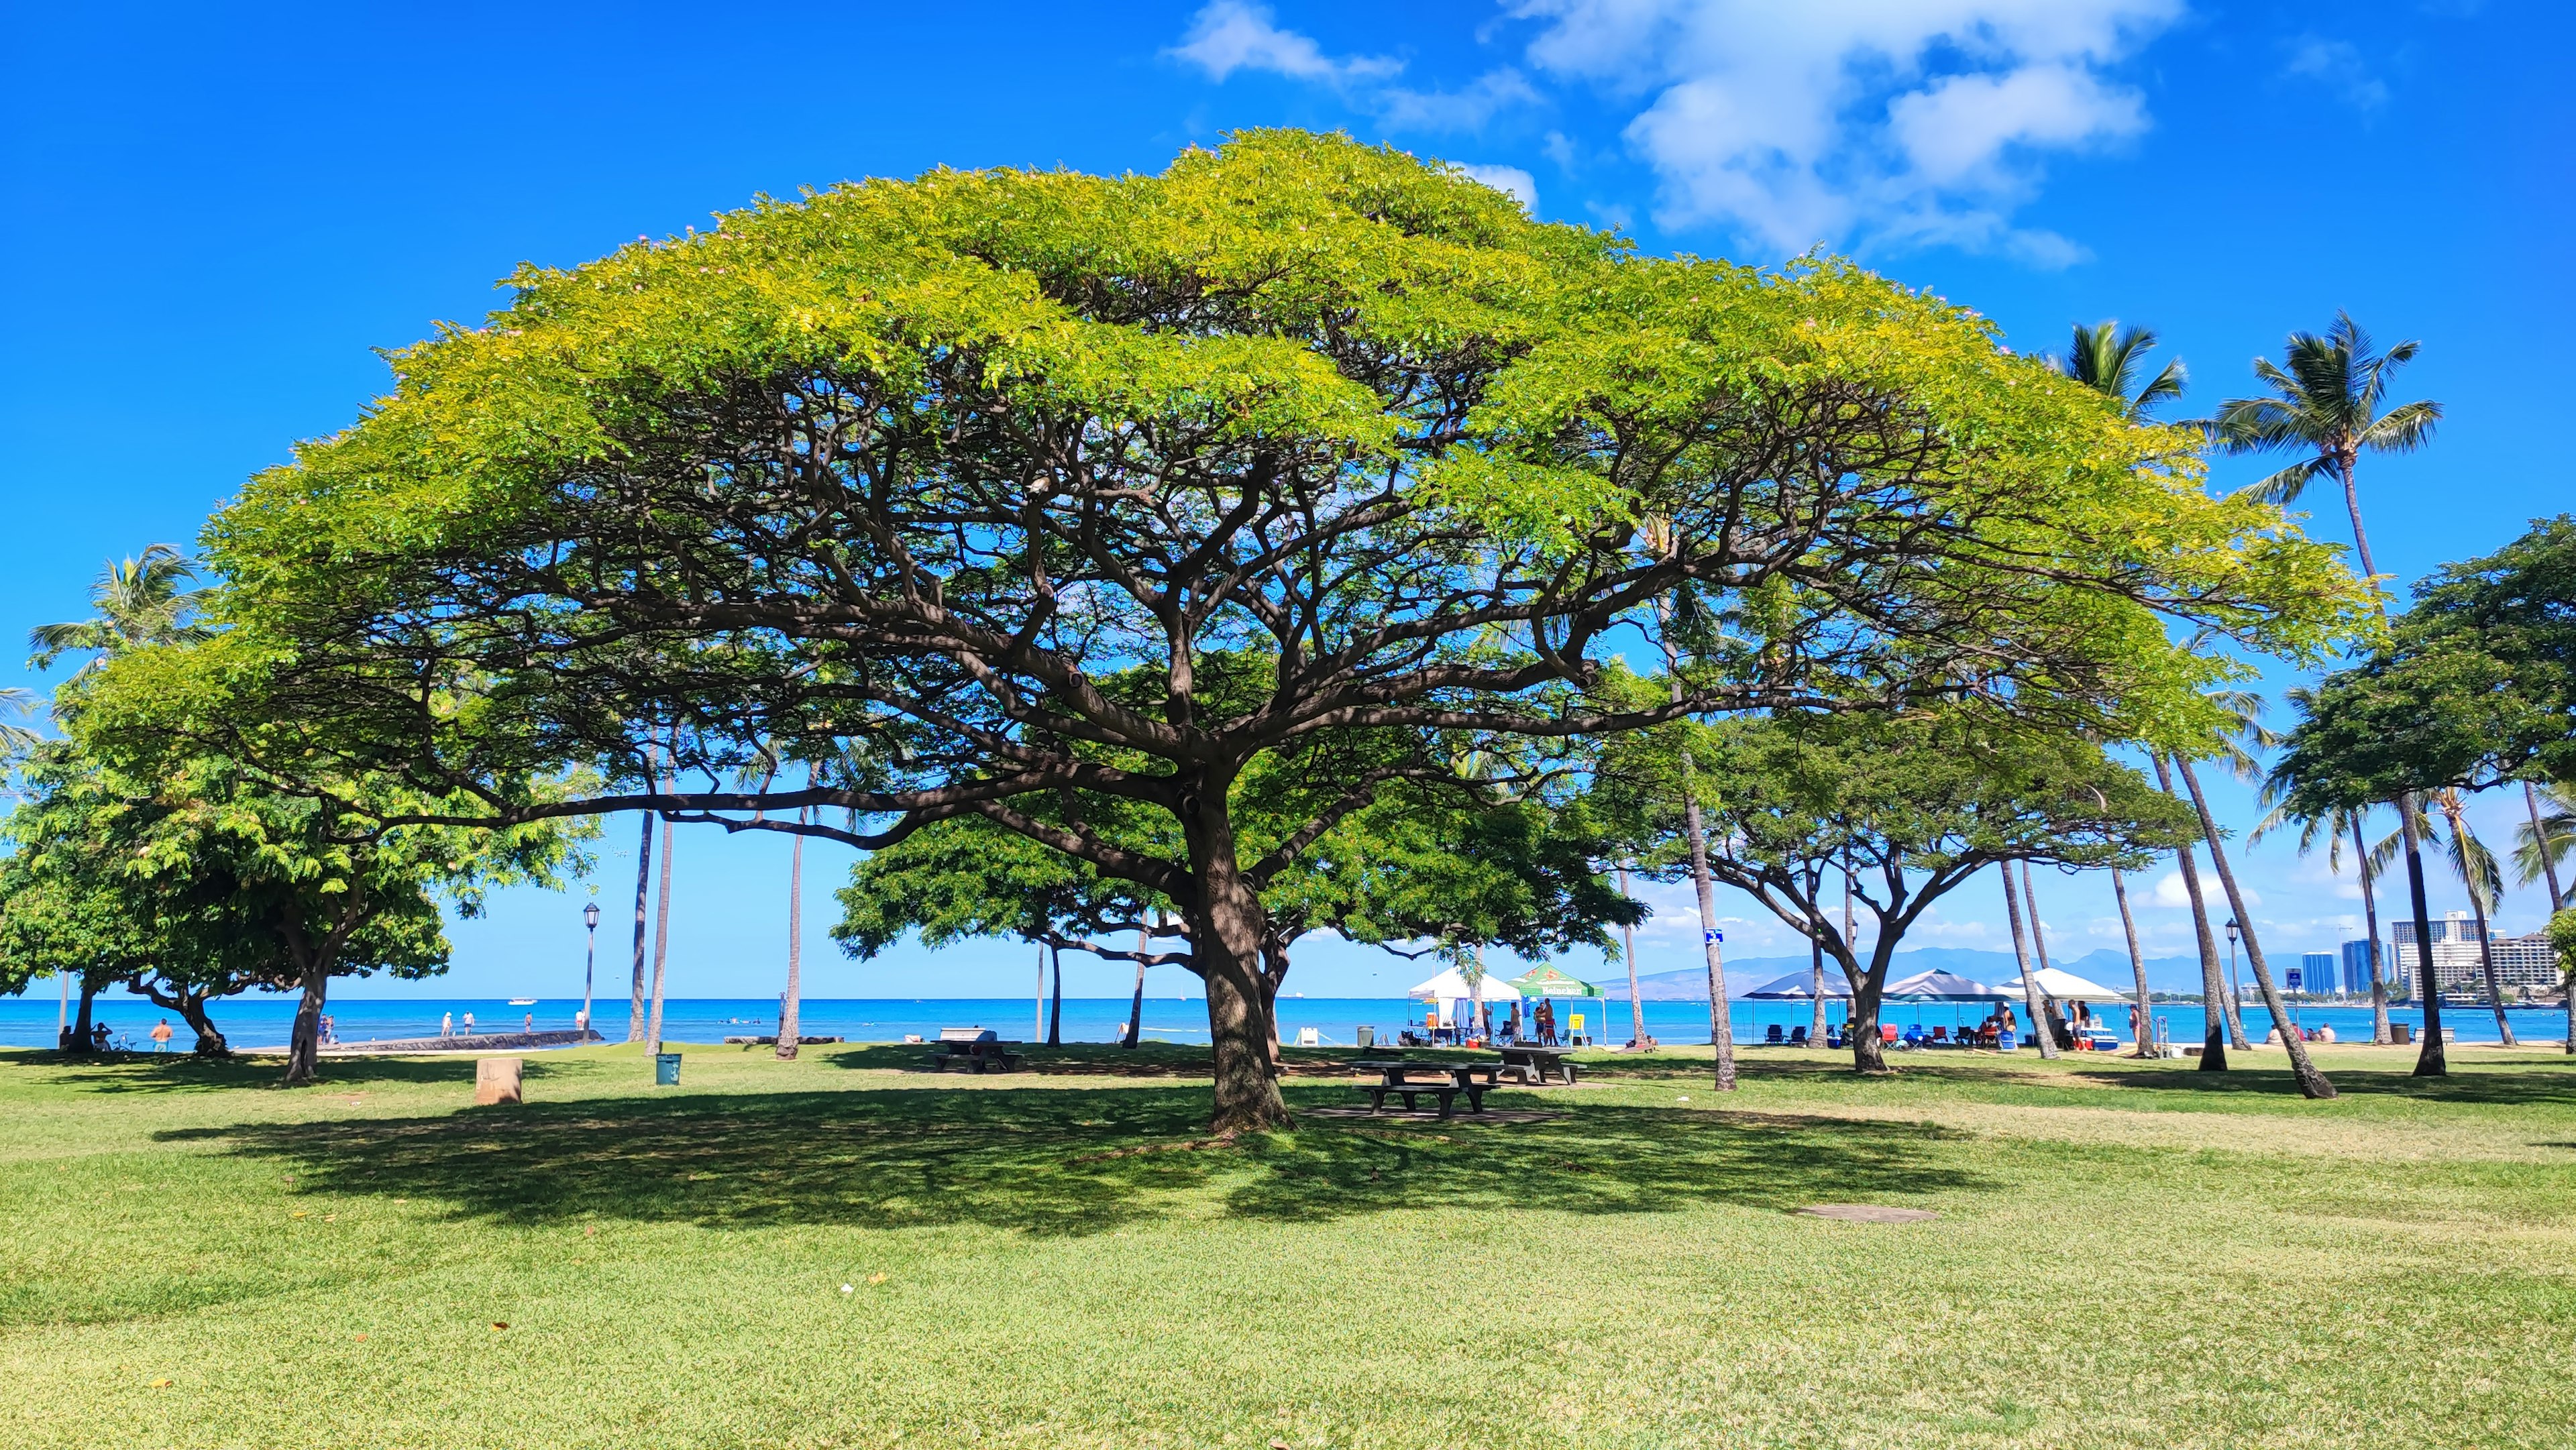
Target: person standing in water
x=447 y=1024
x=161 y=1035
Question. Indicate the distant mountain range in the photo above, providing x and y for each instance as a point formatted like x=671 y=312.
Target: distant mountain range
x=1743 y=974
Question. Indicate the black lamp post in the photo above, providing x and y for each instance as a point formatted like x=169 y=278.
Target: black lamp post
x=589 y=919
x=2233 y=984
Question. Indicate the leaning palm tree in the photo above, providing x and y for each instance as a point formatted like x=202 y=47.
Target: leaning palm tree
x=2325 y=402
x=2332 y=828
x=2483 y=880
x=138 y=602
x=2544 y=845
x=2109 y=358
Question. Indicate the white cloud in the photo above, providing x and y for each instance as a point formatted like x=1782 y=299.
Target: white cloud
x=1509 y=180
x=2170 y=892
x=1234 y=35
x=2338 y=65
x=1229 y=35
x=1894 y=121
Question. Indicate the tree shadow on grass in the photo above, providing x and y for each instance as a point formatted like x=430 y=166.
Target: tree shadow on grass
x=1066 y=1163
x=2484 y=1086
x=181 y=1073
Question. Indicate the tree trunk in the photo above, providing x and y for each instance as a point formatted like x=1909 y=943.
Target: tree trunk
x=1227 y=928
x=2380 y=1036
x=304 y=1047
x=1816 y=1026
x=80 y=1044
x=791 y=1007
x=2039 y=944
x=2344 y=461
x=2137 y=966
x=1721 y=1025
x=2486 y=966
x=2452 y=812
x=2312 y=1083
x=191 y=1007
x=1860 y=1028
x=1055 y=1008
x=2216 y=1023
x=2029 y=978
x=1136 y=1005
x=1628 y=948
x=2540 y=843
x=661 y=947
x=2430 y=1059
x=643 y=919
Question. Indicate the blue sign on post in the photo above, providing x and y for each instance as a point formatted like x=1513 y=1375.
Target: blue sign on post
x=2294 y=979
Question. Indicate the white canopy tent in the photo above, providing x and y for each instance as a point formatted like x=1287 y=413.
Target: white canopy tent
x=1452 y=986
x=2065 y=987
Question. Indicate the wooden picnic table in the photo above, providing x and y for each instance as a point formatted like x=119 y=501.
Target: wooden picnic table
x=1537 y=1064
x=1397 y=1077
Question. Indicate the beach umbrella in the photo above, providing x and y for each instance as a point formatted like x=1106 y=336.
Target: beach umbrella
x=1940 y=986
x=1549 y=982
x=2066 y=987
x=1801 y=987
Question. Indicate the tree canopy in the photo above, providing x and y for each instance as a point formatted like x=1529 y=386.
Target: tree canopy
x=1911 y=805
x=922 y=464
x=2476 y=684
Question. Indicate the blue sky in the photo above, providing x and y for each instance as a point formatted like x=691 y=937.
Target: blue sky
x=214 y=219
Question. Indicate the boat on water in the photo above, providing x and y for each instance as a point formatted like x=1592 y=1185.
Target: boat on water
x=523 y=1001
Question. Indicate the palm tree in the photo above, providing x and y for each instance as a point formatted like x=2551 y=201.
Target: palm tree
x=16 y=739
x=2030 y=998
x=2109 y=358
x=138 y=602
x=2483 y=879
x=2312 y=1083
x=2325 y=402
x=2539 y=847
x=2333 y=828
x=1669 y=614
x=2218 y=1023
x=2137 y=966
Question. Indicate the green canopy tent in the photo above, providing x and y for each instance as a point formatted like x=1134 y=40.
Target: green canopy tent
x=1549 y=982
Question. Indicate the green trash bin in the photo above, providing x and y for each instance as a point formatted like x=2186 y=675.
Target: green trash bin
x=666 y=1069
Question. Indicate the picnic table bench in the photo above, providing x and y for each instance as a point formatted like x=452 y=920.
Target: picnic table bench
x=974 y=1049
x=1443 y=1081
x=1537 y=1065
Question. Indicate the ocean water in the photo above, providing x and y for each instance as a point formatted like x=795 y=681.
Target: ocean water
x=266 y=1021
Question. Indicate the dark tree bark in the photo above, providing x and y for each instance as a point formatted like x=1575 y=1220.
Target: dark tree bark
x=1055 y=1005
x=2137 y=966
x=80 y=1044
x=1721 y=1025
x=2217 y=1027
x=304 y=1045
x=1227 y=933
x=1136 y=1004
x=643 y=919
x=2312 y=1083
x=2380 y=1036
x=2030 y=994
x=2058 y=1031
x=2430 y=1059
x=190 y=1004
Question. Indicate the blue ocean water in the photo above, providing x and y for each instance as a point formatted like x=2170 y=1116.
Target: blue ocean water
x=265 y=1021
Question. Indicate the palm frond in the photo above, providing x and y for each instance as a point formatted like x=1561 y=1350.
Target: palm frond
x=2404 y=428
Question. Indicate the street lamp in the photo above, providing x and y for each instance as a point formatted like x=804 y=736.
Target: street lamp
x=2234 y=984
x=590 y=919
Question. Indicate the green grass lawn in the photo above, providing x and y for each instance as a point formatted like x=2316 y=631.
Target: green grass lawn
x=847 y=1251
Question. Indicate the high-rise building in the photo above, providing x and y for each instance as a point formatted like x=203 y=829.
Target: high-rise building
x=2526 y=961
x=2454 y=927
x=2356 y=965
x=2317 y=972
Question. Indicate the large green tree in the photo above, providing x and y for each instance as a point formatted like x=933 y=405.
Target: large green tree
x=1914 y=805
x=920 y=463
x=2475 y=688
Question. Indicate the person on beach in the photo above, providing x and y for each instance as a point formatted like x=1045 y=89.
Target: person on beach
x=529 y=1026
x=469 y=1024
x=330 y=1033
x=447 y=1024
x=98 y=1038
x=161 y=1035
